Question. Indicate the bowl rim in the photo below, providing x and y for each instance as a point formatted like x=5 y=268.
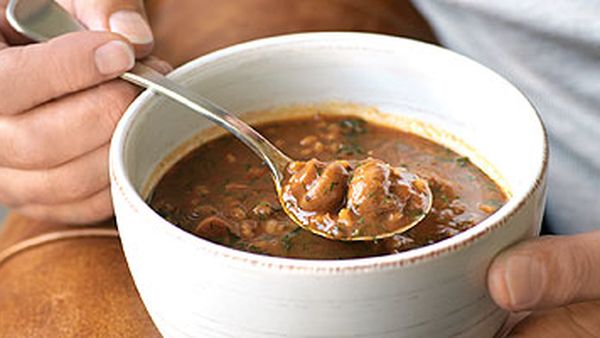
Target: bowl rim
x=121 y=184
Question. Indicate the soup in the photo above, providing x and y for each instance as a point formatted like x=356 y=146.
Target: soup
x=222 y=192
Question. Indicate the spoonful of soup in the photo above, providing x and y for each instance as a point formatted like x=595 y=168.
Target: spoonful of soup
x=342 y=200
x=354 y=200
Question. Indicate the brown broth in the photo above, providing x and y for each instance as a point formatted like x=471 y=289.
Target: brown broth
x=222 y=192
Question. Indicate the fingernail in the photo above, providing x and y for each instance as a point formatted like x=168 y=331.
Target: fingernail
x=525 y=279
x=132 y=26
x=164 y=67
x=114 y=57
x=159 y=65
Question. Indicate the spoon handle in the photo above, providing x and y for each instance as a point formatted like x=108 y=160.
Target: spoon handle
x=147 y=77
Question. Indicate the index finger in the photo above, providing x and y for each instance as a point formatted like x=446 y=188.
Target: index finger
x=125 y=17
x=37 y=73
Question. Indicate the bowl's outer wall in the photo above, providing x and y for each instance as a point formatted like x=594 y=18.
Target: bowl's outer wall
x=189 y=292
x=193 y=288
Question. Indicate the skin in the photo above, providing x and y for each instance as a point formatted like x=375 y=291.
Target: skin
x=56 y=124
x=44 y=174
x=556 y=277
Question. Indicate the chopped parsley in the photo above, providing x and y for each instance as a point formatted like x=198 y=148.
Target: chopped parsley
x=332 y=186
x=318 y=170
x=462 y=161
x=414 y=213
x=286 y=241
x=353 y=127
x=350 y=149
x=254 y=249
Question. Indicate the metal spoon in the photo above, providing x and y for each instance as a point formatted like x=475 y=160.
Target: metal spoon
x=42 y=20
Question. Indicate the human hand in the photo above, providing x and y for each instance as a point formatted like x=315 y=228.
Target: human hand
x=556 y=277
x=60 y=103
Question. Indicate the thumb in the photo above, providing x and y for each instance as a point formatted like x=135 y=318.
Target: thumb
x=124 y=17
x=547 y=272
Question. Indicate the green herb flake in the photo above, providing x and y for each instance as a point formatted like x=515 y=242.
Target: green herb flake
x=350 y=177
x=254 y=249
x=234 y=240
x=350 y=149
x=414 y=213
x=318 y=170
x=353 y=126
x=332 y=186
x=462 y=161
x=286 y=241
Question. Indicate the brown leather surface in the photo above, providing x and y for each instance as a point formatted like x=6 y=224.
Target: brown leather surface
x=81 y=287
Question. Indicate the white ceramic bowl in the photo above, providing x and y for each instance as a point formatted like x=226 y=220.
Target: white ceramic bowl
x=194 y=288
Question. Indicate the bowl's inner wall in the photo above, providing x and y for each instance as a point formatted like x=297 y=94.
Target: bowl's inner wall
x=406 y=78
